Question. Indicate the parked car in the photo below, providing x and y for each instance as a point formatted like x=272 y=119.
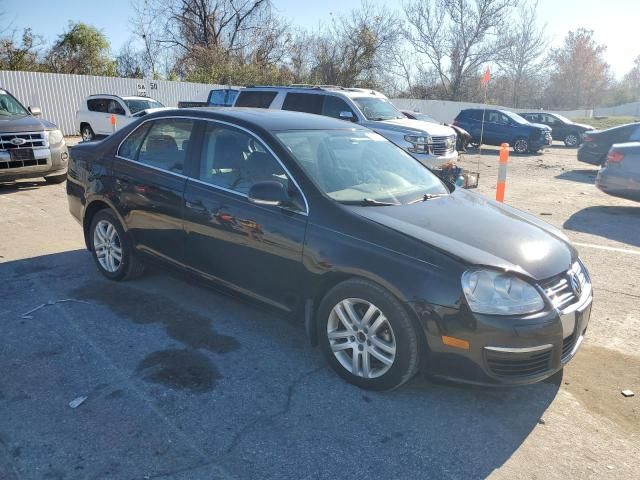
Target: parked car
x=432 y=144
x=502 y=126
x=620 y=174
x=94 y=117
x=389 y=267
x=218 y=97
x=462 y=136
x=561 y=127
x=30 y=147
x=596 y=143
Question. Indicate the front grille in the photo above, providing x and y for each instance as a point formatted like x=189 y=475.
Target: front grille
x=567 y=346
x=509 y=364
x=30 y=140
x=440 y=146
x=559 y=289
x=33 y=162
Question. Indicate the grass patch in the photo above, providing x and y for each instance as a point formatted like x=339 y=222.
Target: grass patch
x=601 y=123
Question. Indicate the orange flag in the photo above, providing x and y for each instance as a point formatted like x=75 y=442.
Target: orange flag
x=484 y=81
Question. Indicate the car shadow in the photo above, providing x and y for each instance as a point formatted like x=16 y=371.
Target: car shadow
x=581 y=176
x=617 y=223
x=178 y=364
x=21 y=185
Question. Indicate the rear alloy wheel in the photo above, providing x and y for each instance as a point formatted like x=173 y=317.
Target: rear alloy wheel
x=521 y=145
x=86 y=132
x=368 y=336
x=111 y=248
x=571 y=140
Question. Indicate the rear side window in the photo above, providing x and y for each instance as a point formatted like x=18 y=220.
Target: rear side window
x=255 y=99
x=131 y=145
x=166 y=143
x=532 y=118
x=97 y=105
x=303 y=102
x=635 y=135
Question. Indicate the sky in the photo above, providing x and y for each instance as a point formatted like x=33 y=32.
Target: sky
x=614 y=21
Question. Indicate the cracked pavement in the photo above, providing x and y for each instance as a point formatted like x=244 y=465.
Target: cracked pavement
x=185 y=382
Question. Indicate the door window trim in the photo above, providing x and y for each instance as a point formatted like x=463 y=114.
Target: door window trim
x=197 y=180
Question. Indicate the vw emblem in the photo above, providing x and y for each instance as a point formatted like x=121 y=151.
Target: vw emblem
x=575 y=284
x=18 y=141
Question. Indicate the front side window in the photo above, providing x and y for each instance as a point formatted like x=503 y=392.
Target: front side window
x=377 y=109
x=303 y=102
x=515 y=117
x=334 y=106
x=10 y=107
x=255 y=99
x=360 y=167
x=115 y=107
x=234 y=160
x=137 y=105
x=165 y=144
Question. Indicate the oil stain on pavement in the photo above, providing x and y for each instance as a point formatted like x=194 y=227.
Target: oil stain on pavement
x=180 y=370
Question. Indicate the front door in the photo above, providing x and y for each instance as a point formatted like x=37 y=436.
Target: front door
x=251 y=248
x=149 y=185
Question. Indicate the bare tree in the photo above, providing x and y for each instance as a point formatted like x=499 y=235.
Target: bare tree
x=457 y=37
x=525 y=44
x=144 y=25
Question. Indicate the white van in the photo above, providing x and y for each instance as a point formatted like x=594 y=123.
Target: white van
x=94 y=117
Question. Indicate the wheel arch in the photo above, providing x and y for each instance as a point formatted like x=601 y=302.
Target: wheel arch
x=90 y=211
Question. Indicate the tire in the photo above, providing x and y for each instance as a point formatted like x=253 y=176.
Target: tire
x=521 y=145
x=56 y=178
x=572 y=140
x=86 y=132
x=376 y=326
x=106 y=228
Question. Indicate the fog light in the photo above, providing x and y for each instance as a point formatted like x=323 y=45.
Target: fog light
x=455 y=342
x=64 y=156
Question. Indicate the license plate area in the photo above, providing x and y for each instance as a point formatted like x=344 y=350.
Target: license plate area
x=21 y=154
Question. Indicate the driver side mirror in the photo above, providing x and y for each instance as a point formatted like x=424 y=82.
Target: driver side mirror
x=347 y=115
x=35 y=111
x=269 y=193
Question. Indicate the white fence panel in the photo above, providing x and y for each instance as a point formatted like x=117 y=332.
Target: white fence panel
x=60 y=95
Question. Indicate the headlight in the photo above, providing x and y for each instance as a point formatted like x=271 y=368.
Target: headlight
x=55 y=137
x=419 y=143
x=498 y=293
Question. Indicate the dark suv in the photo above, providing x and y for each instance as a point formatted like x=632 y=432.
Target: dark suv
x=502 y=126
x=562 y=128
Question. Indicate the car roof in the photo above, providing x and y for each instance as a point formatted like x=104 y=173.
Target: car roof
x=266 y=119
x=336 y=89
x=122 y=97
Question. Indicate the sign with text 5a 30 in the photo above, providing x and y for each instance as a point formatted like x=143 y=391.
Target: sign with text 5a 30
x=141 y=88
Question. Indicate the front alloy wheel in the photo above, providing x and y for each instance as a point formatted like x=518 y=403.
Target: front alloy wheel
x=521 y=145
x=367 y=335
x=571 y=140
x=361 y=338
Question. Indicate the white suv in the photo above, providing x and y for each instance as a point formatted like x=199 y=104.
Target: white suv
x=94 y=117
x=434 y=145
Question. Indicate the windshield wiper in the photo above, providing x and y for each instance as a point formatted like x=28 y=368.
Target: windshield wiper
x=426 y=196
x=370 y=202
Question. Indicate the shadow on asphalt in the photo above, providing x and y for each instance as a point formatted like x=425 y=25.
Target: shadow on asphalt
x=621 y=224
x=22 y=185
x=582 y=176
x=184 y=382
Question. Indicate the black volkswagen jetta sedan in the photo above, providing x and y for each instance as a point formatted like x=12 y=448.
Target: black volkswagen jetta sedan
x=389 y=268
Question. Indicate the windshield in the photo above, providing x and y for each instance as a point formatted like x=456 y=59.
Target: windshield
x=515 y=117
x=377 y=108
x=10 y=107
x=138 y=104
x=357 y=167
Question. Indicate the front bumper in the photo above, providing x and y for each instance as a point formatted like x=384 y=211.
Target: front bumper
x=48 y=161
x=435 y=162
x=503 y=350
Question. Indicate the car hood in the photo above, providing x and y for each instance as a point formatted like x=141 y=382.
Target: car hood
x=541 y=126
x=409 y=126
x=26 y=123
x=480 y=232
x=583 y=126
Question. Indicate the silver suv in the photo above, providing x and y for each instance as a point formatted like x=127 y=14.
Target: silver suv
x=434 y=145
x=29 y=147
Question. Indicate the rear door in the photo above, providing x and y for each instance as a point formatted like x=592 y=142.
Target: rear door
x=255 y=249
x=149 y=181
